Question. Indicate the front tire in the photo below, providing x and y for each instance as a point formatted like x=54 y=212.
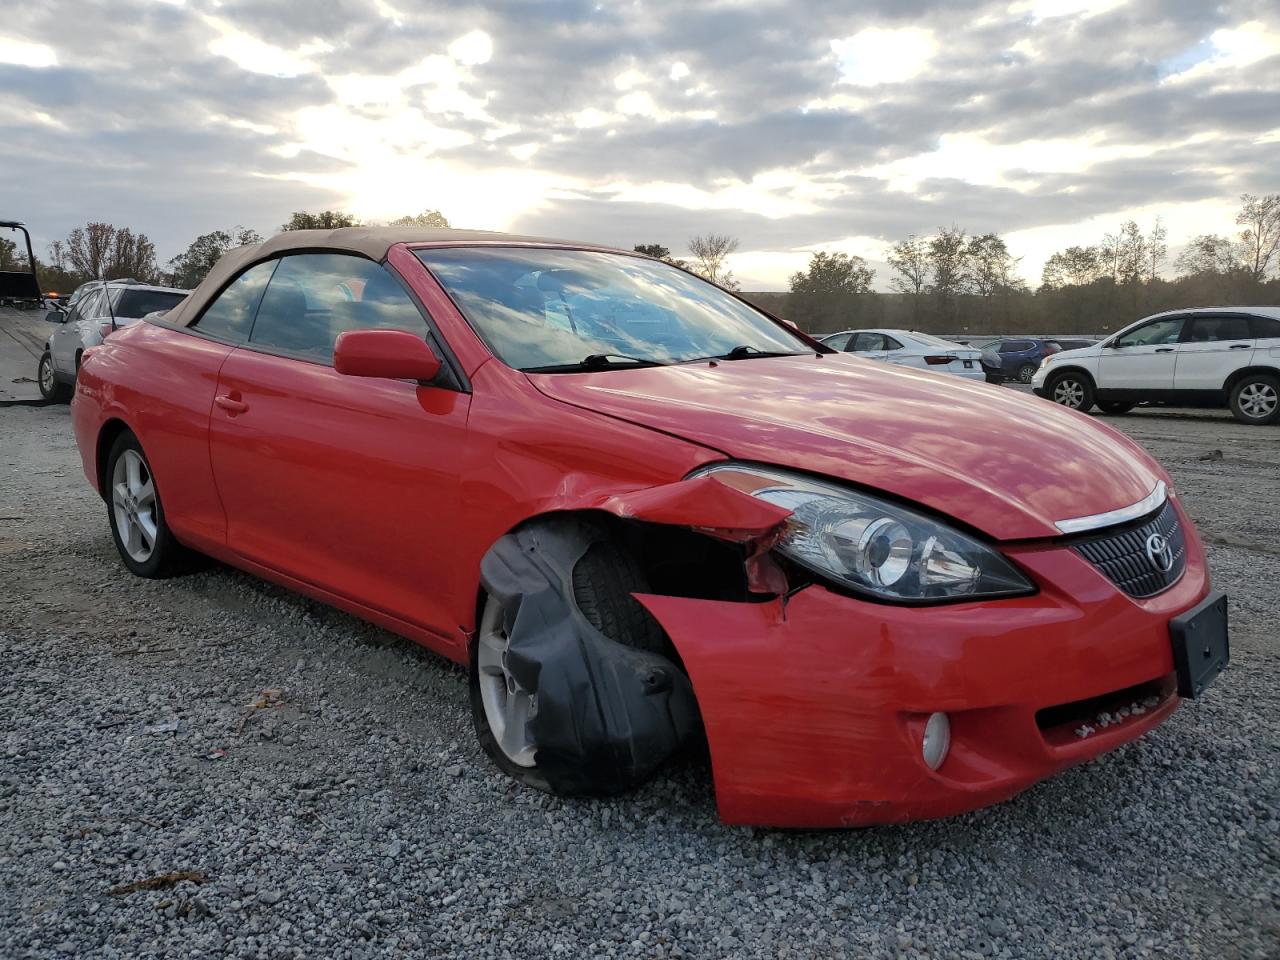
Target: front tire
x=1255 y=400
x=1114 y=408
x=502 y=711
x=51 y=388
x=1072 y=390
x=1026 y=372
x=147 y=547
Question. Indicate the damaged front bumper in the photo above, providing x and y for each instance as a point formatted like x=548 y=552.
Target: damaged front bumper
x=814 y=707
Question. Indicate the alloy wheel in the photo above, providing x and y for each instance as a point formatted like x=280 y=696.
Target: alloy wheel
x=1026 y=373
x=508 y=707
x=46 y=375
x=1069 y=393
x=1258 y=400
x=133 y=499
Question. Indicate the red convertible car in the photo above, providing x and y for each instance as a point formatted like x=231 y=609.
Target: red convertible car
x=647 y=514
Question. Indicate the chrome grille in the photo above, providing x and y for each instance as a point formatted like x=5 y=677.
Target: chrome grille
x=1122 y=556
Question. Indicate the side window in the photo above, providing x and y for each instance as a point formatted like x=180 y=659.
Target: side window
x=1012 y=346
x=230 y=316
x=1214 y=329
x=890 y=343
x=90 y=307
x=314 y=297
x=868 y=341
x=840 y=342
x=1156 y=332
x=1265 y=328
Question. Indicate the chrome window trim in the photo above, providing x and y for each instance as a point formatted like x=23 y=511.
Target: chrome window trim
x=1151 y=501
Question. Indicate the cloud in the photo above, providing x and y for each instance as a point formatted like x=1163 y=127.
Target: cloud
x=629 y=123
x=24 y=54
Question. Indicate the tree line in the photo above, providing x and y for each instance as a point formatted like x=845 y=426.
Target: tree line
x=103 y=251
x=949 y=282
x=954 y=282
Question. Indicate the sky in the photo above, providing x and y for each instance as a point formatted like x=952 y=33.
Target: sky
x=794 y=126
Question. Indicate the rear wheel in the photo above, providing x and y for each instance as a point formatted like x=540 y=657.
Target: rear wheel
x=50 y=387
x=1255 y=400
x=1073 y=390
x=142 y=536
x=1026 y=372
x=1114 y=408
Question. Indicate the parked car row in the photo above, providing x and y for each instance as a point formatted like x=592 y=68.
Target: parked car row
x=644 y=513
x=92 y=312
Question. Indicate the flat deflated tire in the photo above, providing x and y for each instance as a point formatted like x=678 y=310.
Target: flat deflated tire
x=572 y=687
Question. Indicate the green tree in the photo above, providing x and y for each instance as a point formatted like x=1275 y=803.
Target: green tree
x=659 y=252
x=428 y=218
x=190 y=267
x=825 y=297
x=948 y=256
x=9 y=259
x=324 y=220
x=1072 y=267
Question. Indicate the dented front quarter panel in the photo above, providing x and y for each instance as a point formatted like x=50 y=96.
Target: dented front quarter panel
x=814 y=707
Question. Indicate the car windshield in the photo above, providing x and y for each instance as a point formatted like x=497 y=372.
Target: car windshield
x=138 y=303
x=542 y=309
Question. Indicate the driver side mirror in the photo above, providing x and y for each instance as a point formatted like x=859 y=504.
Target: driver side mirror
x=55 y=316
x=388 y=354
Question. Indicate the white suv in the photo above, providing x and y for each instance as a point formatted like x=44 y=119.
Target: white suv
x=1209 y=356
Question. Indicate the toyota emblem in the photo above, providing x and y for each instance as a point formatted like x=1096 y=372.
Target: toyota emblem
x=1160 y=553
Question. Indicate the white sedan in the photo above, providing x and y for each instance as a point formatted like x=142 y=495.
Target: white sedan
x=911 y=349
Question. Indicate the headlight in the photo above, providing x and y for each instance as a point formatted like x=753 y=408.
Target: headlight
x=871 y=545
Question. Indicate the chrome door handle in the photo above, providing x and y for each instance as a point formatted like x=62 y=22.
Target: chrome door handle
x=231 y=406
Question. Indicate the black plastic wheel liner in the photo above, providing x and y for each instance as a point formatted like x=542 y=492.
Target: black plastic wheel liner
x=608 y=715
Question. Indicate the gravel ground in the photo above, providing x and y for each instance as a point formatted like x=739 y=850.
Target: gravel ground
x=353 y=815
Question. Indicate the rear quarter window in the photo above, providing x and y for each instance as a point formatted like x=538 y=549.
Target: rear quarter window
x=1265 y=328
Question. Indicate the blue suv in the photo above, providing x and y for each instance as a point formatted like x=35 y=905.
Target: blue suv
x=1016 y=358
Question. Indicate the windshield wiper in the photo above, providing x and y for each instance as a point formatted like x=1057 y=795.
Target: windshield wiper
x=598 y=361
x=745 y=352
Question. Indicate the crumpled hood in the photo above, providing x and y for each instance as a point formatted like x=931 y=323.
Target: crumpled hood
x=1003 y=462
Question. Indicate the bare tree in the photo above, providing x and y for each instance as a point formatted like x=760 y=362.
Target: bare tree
x=133 y=255
x=1157 y=248
x=1260 y=238
x=88 y=249
x=1131 y=254
x=909 y=259
x=709 y=252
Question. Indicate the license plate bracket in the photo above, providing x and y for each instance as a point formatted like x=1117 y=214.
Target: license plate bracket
x=1201 y=649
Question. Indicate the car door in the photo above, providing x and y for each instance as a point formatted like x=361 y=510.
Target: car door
x=1212 y=347
x=69 y=337
x=339 y=482
x=1266 y=332
x=1142 y=358
x=894 y=350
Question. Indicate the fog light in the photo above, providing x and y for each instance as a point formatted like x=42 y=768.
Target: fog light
x=937 y=740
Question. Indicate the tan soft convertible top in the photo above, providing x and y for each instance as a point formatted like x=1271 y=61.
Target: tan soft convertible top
x=372 y=242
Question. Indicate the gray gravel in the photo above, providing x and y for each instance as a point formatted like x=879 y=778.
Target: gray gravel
x=353 y=815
